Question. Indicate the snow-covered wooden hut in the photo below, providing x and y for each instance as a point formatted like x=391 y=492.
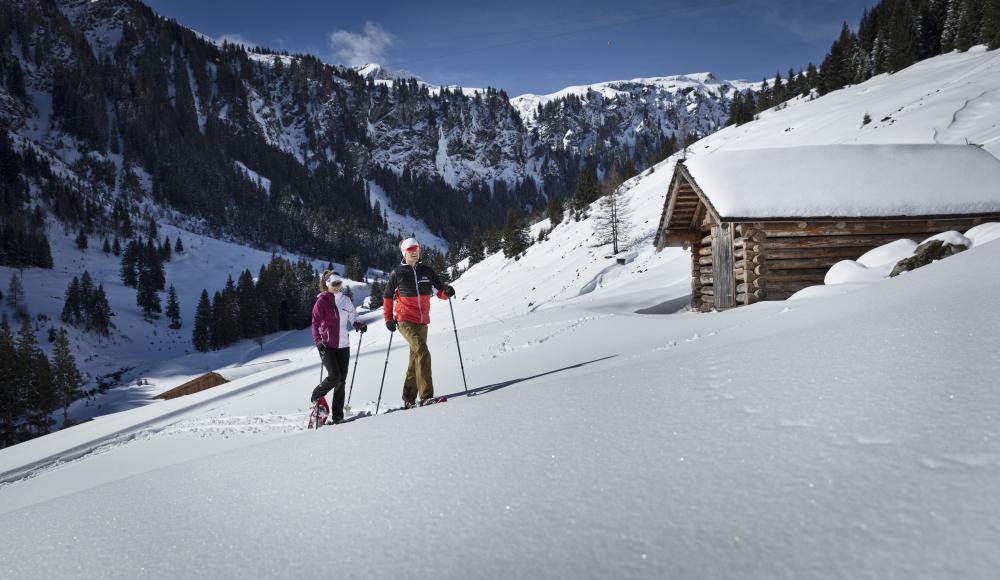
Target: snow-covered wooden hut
x=764 y=223
x=218 y=377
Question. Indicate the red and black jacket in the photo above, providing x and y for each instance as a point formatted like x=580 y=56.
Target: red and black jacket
x=409 y=290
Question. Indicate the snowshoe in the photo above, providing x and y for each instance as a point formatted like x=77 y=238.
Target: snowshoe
x=318 y=414
x=432 y=401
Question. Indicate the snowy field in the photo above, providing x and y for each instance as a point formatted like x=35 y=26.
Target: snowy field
x=853 y=433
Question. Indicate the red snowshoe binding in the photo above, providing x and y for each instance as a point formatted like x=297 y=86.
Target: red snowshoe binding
x=318 y=414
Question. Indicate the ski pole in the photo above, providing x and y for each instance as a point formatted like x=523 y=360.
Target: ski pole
x=377 y=403
x=459 y=345
x=356 y=357
x=322 y=364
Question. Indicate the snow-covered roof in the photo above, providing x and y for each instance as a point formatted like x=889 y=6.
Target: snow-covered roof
x=233 y=373
x=849 y=181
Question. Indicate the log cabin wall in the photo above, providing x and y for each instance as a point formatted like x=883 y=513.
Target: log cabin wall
x=775 y=259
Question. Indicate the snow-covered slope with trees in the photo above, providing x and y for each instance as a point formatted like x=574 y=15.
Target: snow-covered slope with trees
x=611 y=432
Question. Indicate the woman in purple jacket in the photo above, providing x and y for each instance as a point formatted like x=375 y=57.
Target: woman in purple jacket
x=333 y=318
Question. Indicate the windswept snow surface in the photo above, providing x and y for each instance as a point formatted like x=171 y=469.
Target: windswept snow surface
x=846 y=436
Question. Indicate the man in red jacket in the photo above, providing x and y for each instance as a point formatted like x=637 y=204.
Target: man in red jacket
x=407 y=306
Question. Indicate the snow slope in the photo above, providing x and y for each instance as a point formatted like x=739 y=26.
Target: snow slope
x=611 y=433
x=135 y=344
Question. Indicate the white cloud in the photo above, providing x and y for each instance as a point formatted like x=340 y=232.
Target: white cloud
x=356 y=48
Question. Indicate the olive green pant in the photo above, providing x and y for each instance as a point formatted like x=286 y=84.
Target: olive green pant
x=418 y=373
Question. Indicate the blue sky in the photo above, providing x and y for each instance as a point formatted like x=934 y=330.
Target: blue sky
x=528 y=47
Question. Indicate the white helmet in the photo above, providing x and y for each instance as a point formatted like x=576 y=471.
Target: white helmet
x=407 y=244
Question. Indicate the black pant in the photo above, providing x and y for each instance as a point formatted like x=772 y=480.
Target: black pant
x=336 y=361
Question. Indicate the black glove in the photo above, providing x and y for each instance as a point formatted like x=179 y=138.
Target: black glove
x=322 y=349
x=361 y=327
x=391 y=324
x=449 y=291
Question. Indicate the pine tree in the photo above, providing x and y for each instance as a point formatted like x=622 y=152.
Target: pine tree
x=554 y=210
x=904 y=39
x=130 y=264
x=247 y=306
x=165 y=252
x=101 y=312
x=178 y=247
x=72 y=305
x=10 y=404
x=220 y=337
x=989 y=27
x=475 y=247
x=515 y=235
x=151 y=230
x=86 y=296
x=146 y=296
x=231 y=313
x=173 y=309
x=106 y=247
x=587 y=190
x=116 y=247
x=34 y=373
x=15 y=293
x=201 y=335
x=375 y=299
x=353 y=269
x=968 y=25
x=65 y=375
x=81 y=240
x=153 y=263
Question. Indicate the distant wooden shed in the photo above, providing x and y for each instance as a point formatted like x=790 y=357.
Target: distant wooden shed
x=764 y=223
x=218 y=377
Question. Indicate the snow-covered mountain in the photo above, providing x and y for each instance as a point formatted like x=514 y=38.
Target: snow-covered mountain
x=107 y=90
x=612 y=432
x=623 y=113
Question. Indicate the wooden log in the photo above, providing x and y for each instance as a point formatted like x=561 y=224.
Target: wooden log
x=706 y=251
x=815 y=275
x=752 y=257
x=788 y=285
x=918 y=227
x=707 y=291
x=857 y=241
x=783 y=295
x=754 y=296
x=812 y=253
x=803 y=264
x=706 y=279
x=705 y=260
x=704 y=270
x=707 y=240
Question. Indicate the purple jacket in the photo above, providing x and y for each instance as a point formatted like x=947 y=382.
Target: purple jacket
x=333 y=317
x=326 y=320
